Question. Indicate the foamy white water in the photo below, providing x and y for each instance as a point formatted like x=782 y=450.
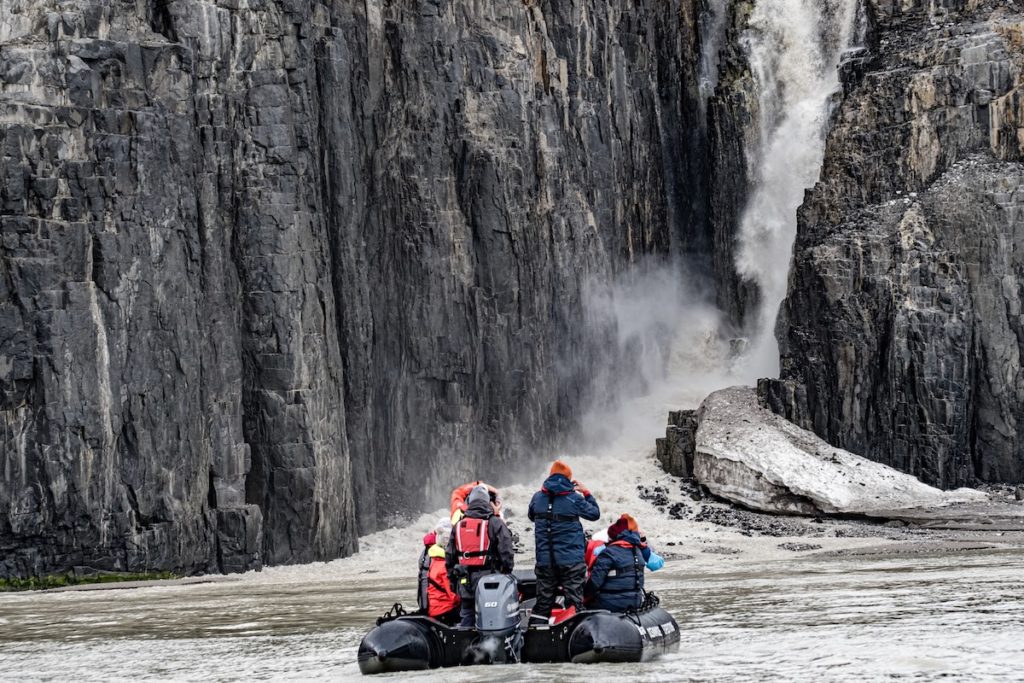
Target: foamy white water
x=794 y=48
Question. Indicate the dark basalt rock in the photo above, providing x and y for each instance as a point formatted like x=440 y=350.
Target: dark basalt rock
x=277 y=272
x=900 y=337
x=675 y=451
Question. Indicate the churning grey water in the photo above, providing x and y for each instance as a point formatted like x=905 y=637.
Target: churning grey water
x=812 y=618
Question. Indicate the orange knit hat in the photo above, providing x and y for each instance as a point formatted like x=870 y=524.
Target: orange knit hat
x=630 y=522
x=560 y=467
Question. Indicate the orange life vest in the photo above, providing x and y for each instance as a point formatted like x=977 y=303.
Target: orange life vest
x=472 y=541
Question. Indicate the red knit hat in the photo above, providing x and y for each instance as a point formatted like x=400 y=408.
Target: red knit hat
x=620 y=527
x=560 y=467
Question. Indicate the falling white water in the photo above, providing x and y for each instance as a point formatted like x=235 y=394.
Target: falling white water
x=794 y=48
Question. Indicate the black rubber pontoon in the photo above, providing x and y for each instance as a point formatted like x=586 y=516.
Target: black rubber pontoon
x=407 y=642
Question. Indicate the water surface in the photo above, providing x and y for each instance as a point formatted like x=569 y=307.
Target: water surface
x=811 y=618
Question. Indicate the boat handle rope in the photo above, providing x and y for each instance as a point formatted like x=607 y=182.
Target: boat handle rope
x=396 y=611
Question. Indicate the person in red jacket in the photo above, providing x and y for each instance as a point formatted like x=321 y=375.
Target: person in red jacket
x=442 y=602
x=460 y=493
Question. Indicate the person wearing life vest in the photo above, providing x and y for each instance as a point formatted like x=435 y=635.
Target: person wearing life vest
x=556 y=511
x=616 y=580
x=459 y=494
x=442 y=601
x=653 y=561
x=480 y=544
x=422 y=597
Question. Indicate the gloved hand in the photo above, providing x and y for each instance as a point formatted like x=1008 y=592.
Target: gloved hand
x=580 y=488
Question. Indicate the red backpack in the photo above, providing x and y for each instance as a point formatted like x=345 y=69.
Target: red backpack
x=472 y=541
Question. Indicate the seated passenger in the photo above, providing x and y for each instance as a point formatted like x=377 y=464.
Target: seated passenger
x=429 y=540
x=480 y=544
x=424 y=571
x=458 y=501
x=599 y=540
x=616 y=580
x=443 y=602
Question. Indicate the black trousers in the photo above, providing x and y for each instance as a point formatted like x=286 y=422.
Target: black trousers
x=550 y=577
x=451 y=617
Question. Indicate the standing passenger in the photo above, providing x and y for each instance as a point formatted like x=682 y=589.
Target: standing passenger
x=555 y=511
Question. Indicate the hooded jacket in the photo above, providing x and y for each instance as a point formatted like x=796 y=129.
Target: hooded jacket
x=558 y=534
x=617 y=577
x=501 y=557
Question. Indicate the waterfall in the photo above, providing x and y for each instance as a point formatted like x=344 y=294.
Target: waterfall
x=793 y=48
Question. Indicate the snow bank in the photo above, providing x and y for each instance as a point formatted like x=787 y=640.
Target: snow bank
x=753 y=457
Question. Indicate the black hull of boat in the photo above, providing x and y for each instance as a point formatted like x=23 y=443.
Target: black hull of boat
x=412 y=642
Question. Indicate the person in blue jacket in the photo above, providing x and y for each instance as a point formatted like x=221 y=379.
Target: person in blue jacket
x=556 y=511
x=617 y=576
x=597 y=544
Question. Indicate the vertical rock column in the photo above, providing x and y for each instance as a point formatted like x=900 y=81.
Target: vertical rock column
x=118 y=342
x=259 y=87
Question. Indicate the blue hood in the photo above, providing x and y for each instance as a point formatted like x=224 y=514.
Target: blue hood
x=558 y=484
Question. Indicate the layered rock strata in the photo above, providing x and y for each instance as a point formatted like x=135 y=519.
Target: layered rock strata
x=274 y=271
x=901 y=335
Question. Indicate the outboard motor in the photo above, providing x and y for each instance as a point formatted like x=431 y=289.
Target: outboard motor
x=498 y=622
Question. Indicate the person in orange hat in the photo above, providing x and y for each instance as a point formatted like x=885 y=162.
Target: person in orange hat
x=600 y=540
x=616 y=580
x=556 y=511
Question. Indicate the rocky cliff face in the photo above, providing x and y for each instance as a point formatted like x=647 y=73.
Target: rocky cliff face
x=271 y=271
x=901 y=335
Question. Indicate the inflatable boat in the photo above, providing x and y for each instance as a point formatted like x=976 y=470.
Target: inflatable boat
x=409 y=641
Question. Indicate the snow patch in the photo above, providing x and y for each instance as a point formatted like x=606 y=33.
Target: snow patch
x=750 y=456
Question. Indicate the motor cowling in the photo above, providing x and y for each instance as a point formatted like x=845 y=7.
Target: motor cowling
x=497 y=604
x=498 y=621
